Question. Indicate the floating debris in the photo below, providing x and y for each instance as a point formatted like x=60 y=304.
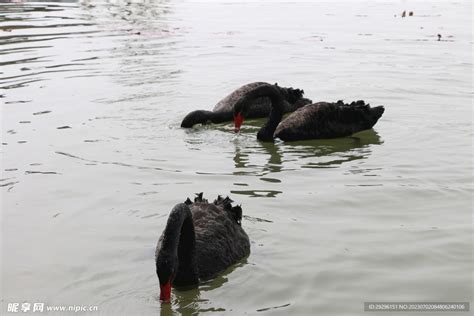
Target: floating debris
x=63 y=127
x=25 y=122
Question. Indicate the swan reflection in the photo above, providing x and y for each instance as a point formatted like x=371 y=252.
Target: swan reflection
x=331 y=153
x=189 y=301
x=320 y=153
x=280 y=157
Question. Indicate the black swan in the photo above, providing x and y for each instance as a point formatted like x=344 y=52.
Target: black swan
x=313 y=121
x=259 y=107
x=200 y=240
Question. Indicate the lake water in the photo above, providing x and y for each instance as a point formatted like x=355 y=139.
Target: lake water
x=93 y=158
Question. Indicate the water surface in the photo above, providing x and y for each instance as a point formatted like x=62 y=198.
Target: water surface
x=93 y=158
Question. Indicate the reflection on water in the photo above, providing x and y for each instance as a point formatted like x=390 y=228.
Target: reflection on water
x=189 y=301
x=337 y=151
x=270 y=161
x=273 y=307
x=138 y=29
x=257 y=193
x=25 y=31
x=332 y=152
x=273 y=165
x=83 y=206
x=184 y=302
x=284 y=157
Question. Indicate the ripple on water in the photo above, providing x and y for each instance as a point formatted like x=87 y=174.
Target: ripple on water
x=257 y=193
x=384 y=214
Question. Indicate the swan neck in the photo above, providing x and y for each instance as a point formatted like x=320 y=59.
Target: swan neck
x=220 y=117
x=274 y=118
x=179 y=241
x=204 y=117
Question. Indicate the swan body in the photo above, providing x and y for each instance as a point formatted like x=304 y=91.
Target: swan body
x=258 y=107
x=200 y=240
x=328 y=120
x=313 y=121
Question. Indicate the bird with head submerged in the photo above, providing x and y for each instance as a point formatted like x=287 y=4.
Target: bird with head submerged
x=200 y=240
x=312 y=121
x=259 y=107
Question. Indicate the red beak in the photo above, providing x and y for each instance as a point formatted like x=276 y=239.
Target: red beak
x=165 y=292
x=238 y=119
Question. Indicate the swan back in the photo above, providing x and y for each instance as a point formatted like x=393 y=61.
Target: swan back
x=328 y=120
x=261 y=106
x=220 y=239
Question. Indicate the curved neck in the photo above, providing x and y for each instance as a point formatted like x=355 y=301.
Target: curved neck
x=220 y=117
x=203 y=117
x=276 y=113
x=196 y=117
x=179 y=242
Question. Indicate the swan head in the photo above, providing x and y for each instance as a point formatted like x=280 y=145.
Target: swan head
x=241 y=110
x=276 y=94
x=166 y=267
x=196 y=117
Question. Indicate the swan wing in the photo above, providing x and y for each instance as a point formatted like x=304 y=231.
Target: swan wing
x=261 y=106
x=227 y=104
x=328 y=120
x=220 y=240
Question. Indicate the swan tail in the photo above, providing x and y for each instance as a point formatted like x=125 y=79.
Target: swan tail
x=226 y=203
x=223 y=202
x=376 y=113
x=353 y=103
x=369 y=115
x=199 y=198
x=291 y=95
